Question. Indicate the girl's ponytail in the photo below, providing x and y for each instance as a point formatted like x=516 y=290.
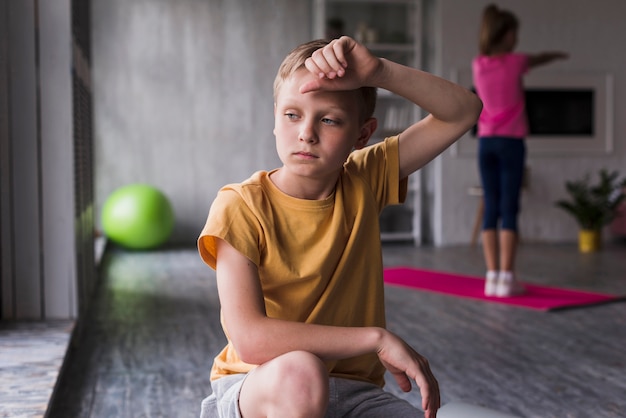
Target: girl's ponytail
x=495 y=25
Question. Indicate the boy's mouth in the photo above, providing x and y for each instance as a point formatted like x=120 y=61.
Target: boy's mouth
x=305 y=154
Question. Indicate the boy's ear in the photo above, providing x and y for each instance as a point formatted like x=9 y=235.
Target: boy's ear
x=367 y=130
x=274 y=130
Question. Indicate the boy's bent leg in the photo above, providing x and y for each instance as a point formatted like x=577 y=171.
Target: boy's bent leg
x=355 y=399
x=224 y=401
x=208 y=408
x=292 y=385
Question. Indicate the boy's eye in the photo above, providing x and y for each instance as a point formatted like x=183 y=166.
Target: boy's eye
x=291 y=116
x=328 y=121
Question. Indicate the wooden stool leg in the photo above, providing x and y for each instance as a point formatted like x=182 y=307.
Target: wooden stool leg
x=478 y=221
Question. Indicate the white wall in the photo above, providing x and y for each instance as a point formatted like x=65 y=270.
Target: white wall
x=593 y=34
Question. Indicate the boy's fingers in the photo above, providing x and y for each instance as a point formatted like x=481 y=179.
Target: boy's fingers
x=429 y=388
x=430 y=405
x=403 y=381
x=327 y=63
x=431 y=400
x=339 y=47
x=313 y=68
x=320 y=60
x=331 y=59
x=335 y=67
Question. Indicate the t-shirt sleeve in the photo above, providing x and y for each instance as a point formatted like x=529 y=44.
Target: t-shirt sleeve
x=379 y=164
x=230 y=219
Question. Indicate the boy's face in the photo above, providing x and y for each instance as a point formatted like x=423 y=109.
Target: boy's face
x=316 y=131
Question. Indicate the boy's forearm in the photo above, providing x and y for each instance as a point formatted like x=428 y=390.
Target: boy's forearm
x=269 y=338
x=441 y=98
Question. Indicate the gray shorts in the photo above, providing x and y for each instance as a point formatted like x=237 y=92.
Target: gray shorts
x=348 y=398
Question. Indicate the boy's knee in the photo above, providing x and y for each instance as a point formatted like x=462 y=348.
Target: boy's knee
x=302 y=379
x=299 y=366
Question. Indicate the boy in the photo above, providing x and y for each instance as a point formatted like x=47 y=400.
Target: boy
x=297 y=249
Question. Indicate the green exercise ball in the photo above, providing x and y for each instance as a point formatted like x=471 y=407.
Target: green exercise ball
x=138 y=216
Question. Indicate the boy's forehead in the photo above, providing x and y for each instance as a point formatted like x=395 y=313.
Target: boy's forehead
x=295 y=80
x=299 y=77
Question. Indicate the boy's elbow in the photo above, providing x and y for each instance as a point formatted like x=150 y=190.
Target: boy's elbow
x=475 y=106
x=250 y=348
x=248 y=355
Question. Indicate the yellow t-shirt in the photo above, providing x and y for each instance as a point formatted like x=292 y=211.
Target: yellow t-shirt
x=319 y=261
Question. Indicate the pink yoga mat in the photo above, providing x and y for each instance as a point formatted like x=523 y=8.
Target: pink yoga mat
x=536 y=297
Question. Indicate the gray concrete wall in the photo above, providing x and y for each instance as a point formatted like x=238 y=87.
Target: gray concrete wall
x=183 y=95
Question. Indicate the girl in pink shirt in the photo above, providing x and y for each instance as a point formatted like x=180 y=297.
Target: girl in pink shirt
x=502 y=127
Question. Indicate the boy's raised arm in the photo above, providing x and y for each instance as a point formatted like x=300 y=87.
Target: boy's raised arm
x=452 y=111
x=345 y=64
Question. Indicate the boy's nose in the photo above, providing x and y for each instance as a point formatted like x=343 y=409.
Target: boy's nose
x=307 y=134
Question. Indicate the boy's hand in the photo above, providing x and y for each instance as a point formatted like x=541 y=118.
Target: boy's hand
x=406 y=364
x=343 y=64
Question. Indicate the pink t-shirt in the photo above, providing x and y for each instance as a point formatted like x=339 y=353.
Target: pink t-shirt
x=498 y=82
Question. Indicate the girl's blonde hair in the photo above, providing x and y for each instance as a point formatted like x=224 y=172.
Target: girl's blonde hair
x=495 y=25
x=295 y=61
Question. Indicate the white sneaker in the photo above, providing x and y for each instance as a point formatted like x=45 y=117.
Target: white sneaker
x=508 y=286
x=491 y=283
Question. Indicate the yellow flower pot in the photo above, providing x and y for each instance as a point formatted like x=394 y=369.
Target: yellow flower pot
x=589 y=240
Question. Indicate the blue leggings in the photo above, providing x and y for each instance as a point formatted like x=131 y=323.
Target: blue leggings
x=501 y=161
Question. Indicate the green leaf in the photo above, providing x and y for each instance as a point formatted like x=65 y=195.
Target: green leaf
x=594 y=205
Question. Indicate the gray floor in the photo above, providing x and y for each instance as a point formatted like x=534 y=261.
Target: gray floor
x=146 y=348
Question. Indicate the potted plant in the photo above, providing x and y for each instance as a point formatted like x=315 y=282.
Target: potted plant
x=593 y=206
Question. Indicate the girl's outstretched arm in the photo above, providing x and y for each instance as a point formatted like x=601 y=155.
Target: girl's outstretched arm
x=535 y=60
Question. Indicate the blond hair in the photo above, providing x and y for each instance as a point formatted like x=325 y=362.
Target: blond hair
x=495 y=25
x=295 y=61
